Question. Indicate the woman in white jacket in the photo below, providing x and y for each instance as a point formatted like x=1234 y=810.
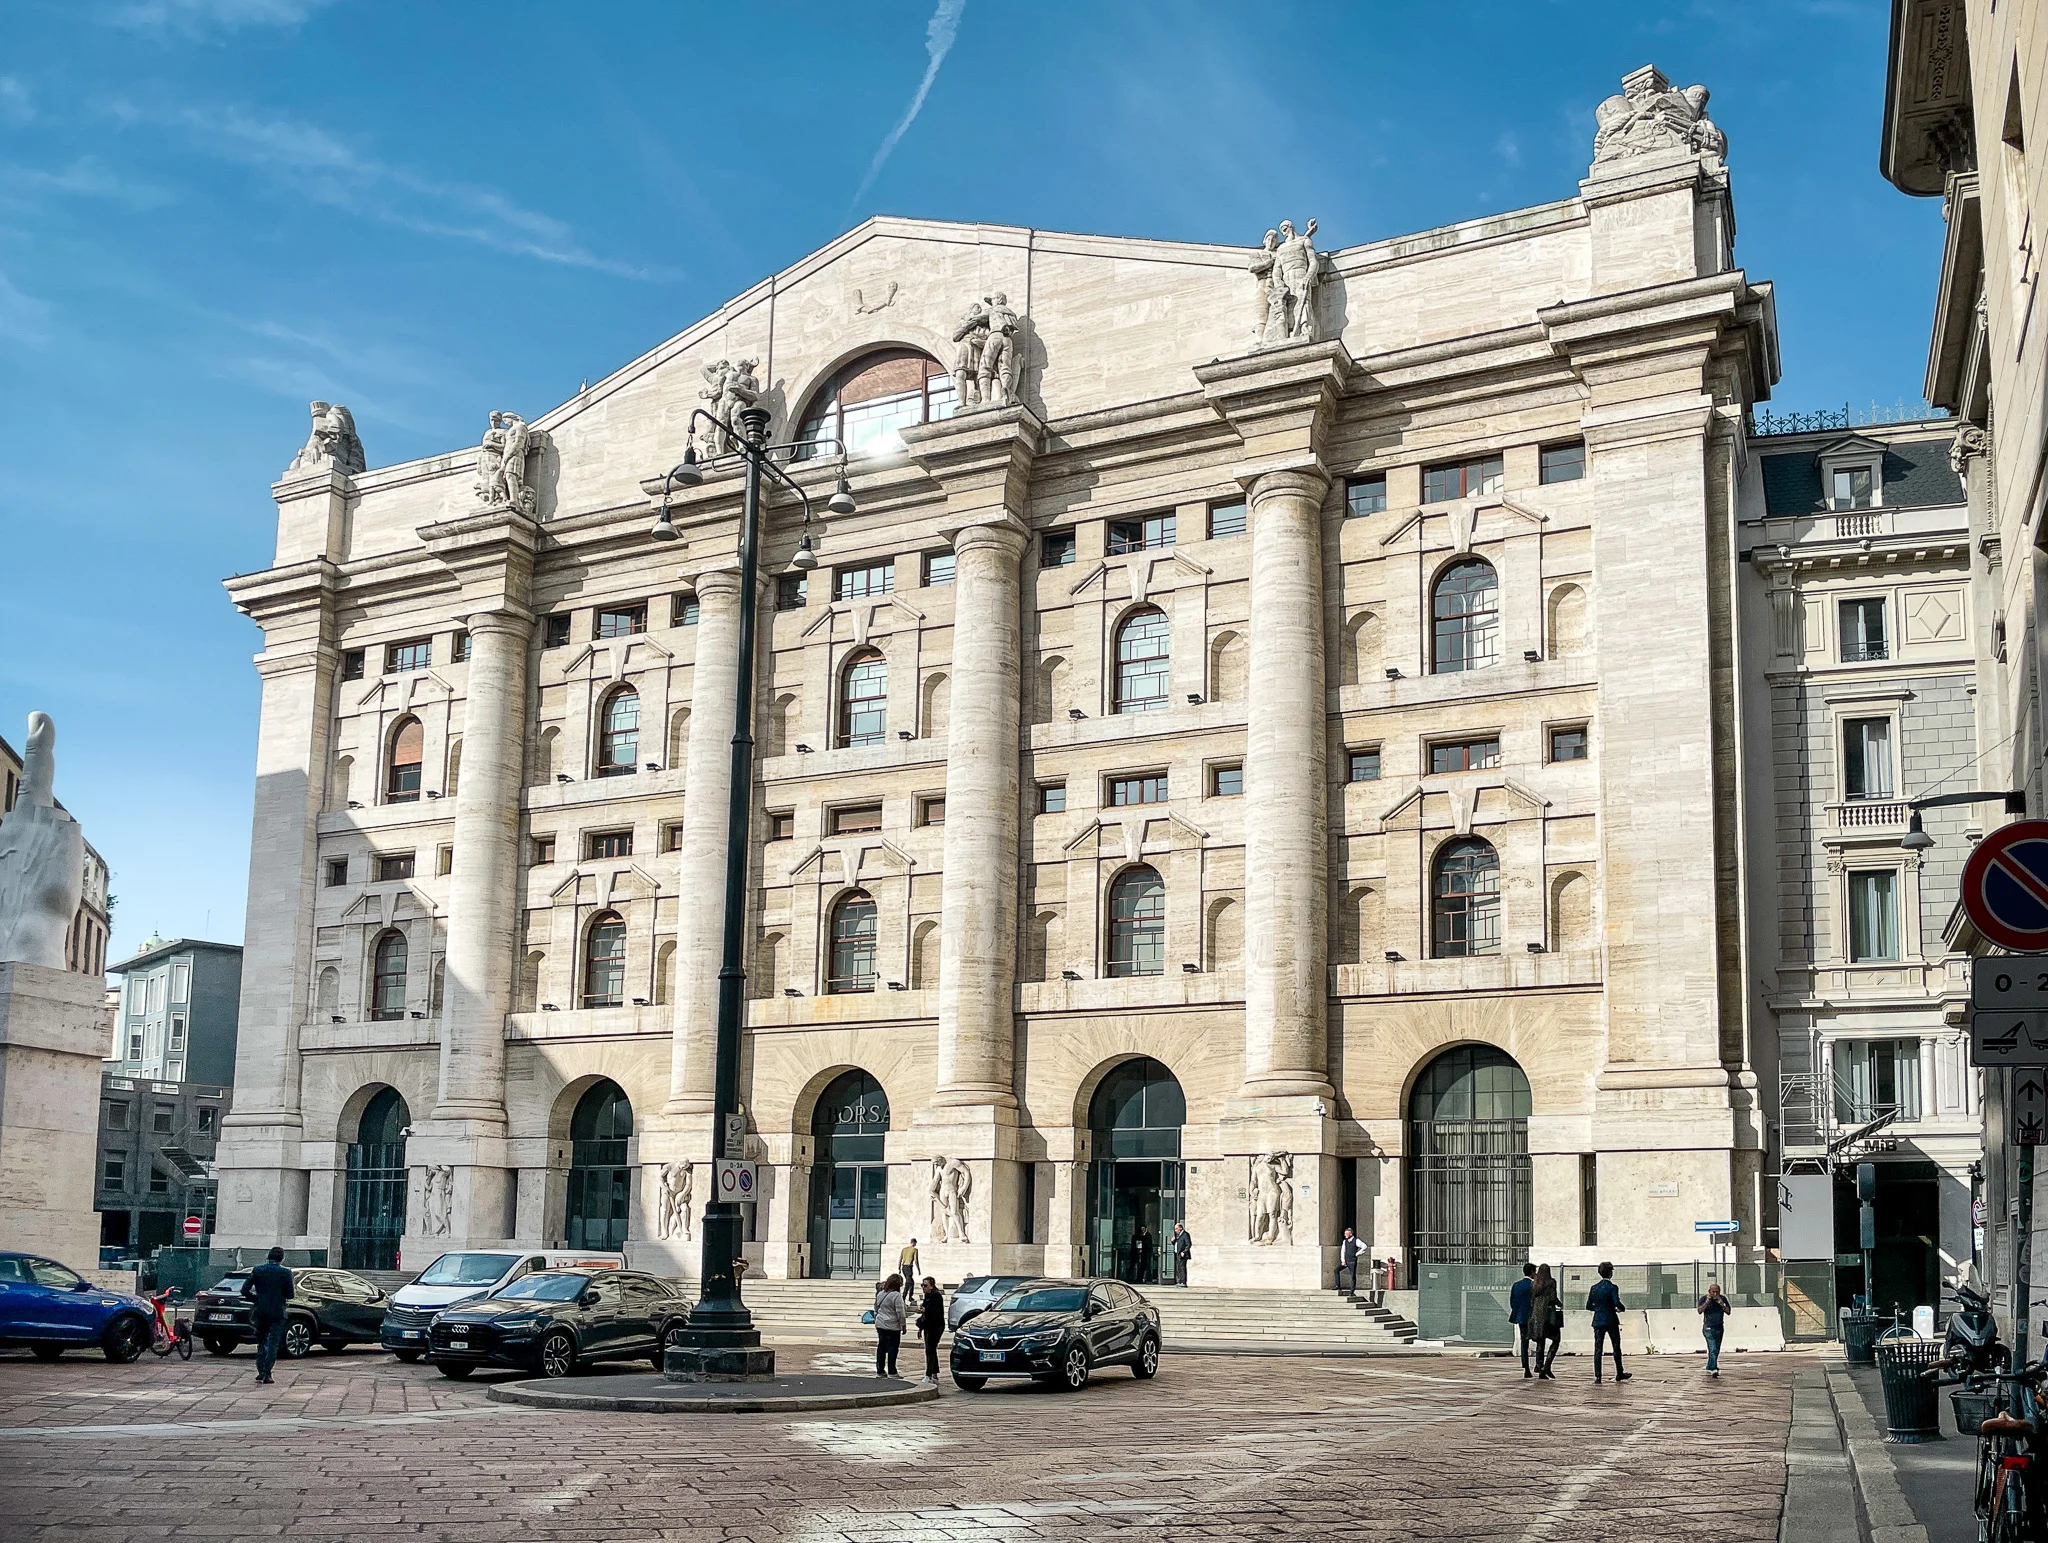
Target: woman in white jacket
x=890 y=1318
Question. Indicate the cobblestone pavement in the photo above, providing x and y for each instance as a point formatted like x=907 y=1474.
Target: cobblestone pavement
x=356 y=1446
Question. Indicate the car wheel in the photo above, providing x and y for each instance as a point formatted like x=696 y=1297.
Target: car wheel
x=671 y=1338
x=215 y=1345
x=558 y=1355
x=969 y=1384
x=407 y=1356
x=1074 y=1369
x=456 y=1369
x=1147 y=1364
x=125 y=1339
x=298 y=1339
x=47 y=1352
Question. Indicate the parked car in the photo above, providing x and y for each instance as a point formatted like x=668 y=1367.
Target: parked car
x=327 y=1307
x=977 y=1294
x=555 y=1321
x=51 y=1308
x=1059 y=1331
x=467 y=1277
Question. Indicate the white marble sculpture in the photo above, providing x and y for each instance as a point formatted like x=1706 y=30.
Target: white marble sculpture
x=1271 y=1196
x=678 y=1184
x=972 y=336
x=952 y=1185
x=501 y=481
x=331 y=444
x=997 y=379
x=1289 y=270
x=1646 y=116
x=728 y=387
x=439 y=1197
x=42 y=859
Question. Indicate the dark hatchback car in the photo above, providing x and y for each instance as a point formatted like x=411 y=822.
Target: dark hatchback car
x=327 y=1307
x=1058 y=1331
x=556 y=1321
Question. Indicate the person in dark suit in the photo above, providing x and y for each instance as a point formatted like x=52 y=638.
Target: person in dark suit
x=1349 y=1252
x=1141 y=1255
x=268 y=1287
x=1518 y=1314
x=1183 y=1245
x=1605 y=1304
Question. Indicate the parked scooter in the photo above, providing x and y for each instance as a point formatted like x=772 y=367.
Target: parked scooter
x=1971 y=1346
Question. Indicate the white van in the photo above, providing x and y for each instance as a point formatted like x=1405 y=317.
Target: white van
x=459 y=1277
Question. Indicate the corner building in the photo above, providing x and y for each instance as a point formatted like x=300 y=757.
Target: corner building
x=1267 y=785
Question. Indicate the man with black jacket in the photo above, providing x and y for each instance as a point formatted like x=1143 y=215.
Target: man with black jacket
x=1604 y=1303
x=1182 y=1244
x=268 y=1287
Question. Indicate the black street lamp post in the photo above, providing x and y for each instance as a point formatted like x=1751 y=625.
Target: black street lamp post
x=721 y=1340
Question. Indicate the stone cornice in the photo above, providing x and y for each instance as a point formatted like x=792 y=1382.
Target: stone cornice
x=1279 y=400
x=982 y=460
x=271 y=591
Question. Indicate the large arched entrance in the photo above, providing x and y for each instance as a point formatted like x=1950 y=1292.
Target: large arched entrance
x=373 y=1192
x=1468 y=1160
x=849 y=1181
x=1135 y=1178
x=600 y=1183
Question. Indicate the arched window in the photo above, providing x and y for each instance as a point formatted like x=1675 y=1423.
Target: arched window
x=1137 y=923
x=408 y=749
x=864 y=700
x=600 y=1202
x=1466 y=903
x=1467 y=611
x=853 y=945
x=373 y=1191
x=604 y=962
x=387 y=977
x=1470 y=1177
x=618 y=735
x=1143 y=653
x=872 y=398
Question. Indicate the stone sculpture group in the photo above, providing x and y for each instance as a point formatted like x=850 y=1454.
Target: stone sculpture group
x=1288 y=269
x=952 y=1184
x=42 y=859
x=501 y=481
x=985 y=367
x=1647 y=116
x=1271 y=1197
x=332 y=444
x=678 y=1184
x=728 y=387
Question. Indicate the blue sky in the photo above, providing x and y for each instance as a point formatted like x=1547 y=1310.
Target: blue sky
x=214 y=210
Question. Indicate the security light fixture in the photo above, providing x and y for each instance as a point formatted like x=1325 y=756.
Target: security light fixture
x=1531 y=655
x=549 y=1007
x=1393 y=956
x=563 y=777
x=654 y=766
x=1393 y=672
x=791 y=991
x=1070 y=975
x=418 y=1015
x=1535 y=948
x=904 y=734
x=803 y=749
x=1191 y=969
x=639 y=1001
x=432 y=794
x=353 y=804
x=897 y=985
x=1194 y=699
x=1076 y=714
x=337 y=1018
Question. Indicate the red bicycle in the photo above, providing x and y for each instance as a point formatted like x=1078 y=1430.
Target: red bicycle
x=169 y=1334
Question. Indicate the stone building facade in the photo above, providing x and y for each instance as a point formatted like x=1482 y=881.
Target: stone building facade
x=1263 y=753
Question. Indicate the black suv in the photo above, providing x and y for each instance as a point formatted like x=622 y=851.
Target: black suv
x=554 y=1321
x=327 y=1307
x=1058 y=1331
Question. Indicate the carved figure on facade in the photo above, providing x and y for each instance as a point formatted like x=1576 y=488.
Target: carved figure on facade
x=42 y=859
x=331 y=444
x=1271 y=1198
x=951 y=1187
x=438 y=1199
x=501 y=463
x=1970 y=440
x=678 y=1185
x=998 y=375
x=862 y=307
x=1288 y=269
x=1647 y=116
x=972 y=336
x=728 y=387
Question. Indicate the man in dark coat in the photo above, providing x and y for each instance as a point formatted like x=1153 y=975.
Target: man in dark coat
x=1183 y=1245
x=268 y=1287
x=1518 y=1314
x=1605 y=1304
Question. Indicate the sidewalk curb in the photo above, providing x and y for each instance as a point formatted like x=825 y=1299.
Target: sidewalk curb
x=1887 y=1516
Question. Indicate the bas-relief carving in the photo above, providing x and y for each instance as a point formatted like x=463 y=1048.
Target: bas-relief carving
x=331 y=444
x=985 y=366
x=501 y=463
x=1647 y=116
x=1288 y=269
x=728 y=387
x=678 y=1184
x=952 y=1185
x=42 y=859
x=1970 y=440
x=437 y=1199
x=861 y=307
x=1270 y=1198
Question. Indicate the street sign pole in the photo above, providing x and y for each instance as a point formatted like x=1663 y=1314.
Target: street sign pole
x=2022 y=1292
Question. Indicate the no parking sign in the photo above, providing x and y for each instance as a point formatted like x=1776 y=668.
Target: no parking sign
x=2005 y=886
x=733 y=1180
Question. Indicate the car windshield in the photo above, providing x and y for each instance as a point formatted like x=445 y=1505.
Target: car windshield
x=543 y=1288
x=1046 y=1299
x=467 y=1269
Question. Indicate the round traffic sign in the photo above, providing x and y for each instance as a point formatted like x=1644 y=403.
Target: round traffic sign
x=2005 y=886
x=194 y=1226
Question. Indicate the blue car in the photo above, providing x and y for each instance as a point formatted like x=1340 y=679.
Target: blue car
x=51 y=1309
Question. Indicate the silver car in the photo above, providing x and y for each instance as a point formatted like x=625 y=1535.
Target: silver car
x=978 y=1293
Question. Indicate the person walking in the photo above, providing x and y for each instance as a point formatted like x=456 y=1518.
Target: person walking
x=890 y=1319
x=1183 y=1248
x=931 y=1326
x=1605 y=1304
x=1348 y=1254
x=1713 y=1309
x=1518 y=1315
x=1546 y=1319
x=908 y=1265
x=1141 y=1254
x=268 y=1288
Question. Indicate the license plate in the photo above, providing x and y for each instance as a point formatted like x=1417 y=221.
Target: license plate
x=220 y=1317
x=992 y=1355
x=458 y=1344
x=408 y=1333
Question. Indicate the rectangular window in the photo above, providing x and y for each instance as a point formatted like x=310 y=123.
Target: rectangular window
x=1568 y=744
x=672 y=838
x=181 y=982
x=620 y=621
x=396 y=865
x=1140 y=535
x=1589 y=1199
x=1867 y=758
x=117 y=1114
x=1226 y=519
x=1365 y=495
x=352 y=664
x=205 y=1113
x=1149 y=789
x=1562 y=463
x=399 y=658
x=1876 y=1077
x=854 y=583
x=1052 y=798
x=337 y=872
x=856 y=821
x=444 y=862
x=1461 y=479
x=156 y=993
x=461 y=648
x=608 y=843
x=177 y=1031
x=1226 y=781
x=1365 y=766
x=134 y=1047
x=160 y=1119
x=791 y=591
x=159 y=1181
x=1852 y=487
x=683 y=610
x=1056 y=549
x=114 y=1170
x=938 y=568
x=1873 y=916
x=1863 y=634
x=931 y=811
x=781 y=824
x=554 y=631
x=1465 y=755
x=543 y=851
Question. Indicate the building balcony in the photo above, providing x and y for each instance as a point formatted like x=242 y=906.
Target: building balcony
x=1869 y=816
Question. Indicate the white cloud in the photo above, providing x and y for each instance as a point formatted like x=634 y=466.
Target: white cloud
x=195 y=18
x=22 y=317
x=16 y=106
x=1508 y=148
x=938 y=42
x=86 y=177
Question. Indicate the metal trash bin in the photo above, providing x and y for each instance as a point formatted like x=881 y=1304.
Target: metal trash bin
x=1859 y=1337
x=1912 y=1406
x=1973 y=1409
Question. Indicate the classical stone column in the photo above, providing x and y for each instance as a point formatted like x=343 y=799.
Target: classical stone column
x=701 y=886
x=978 y=943
x=1286 y=856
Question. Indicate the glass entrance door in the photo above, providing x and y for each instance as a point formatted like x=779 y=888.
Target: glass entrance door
x=373 y=1192
x=858 y=1220
x=849 y=1180
x=1132 y=1208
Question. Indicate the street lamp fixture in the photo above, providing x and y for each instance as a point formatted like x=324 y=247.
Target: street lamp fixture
x=1916 y=838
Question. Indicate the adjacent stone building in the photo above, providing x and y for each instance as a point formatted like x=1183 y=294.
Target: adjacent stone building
x=1263 y=753
x=179 y=1008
